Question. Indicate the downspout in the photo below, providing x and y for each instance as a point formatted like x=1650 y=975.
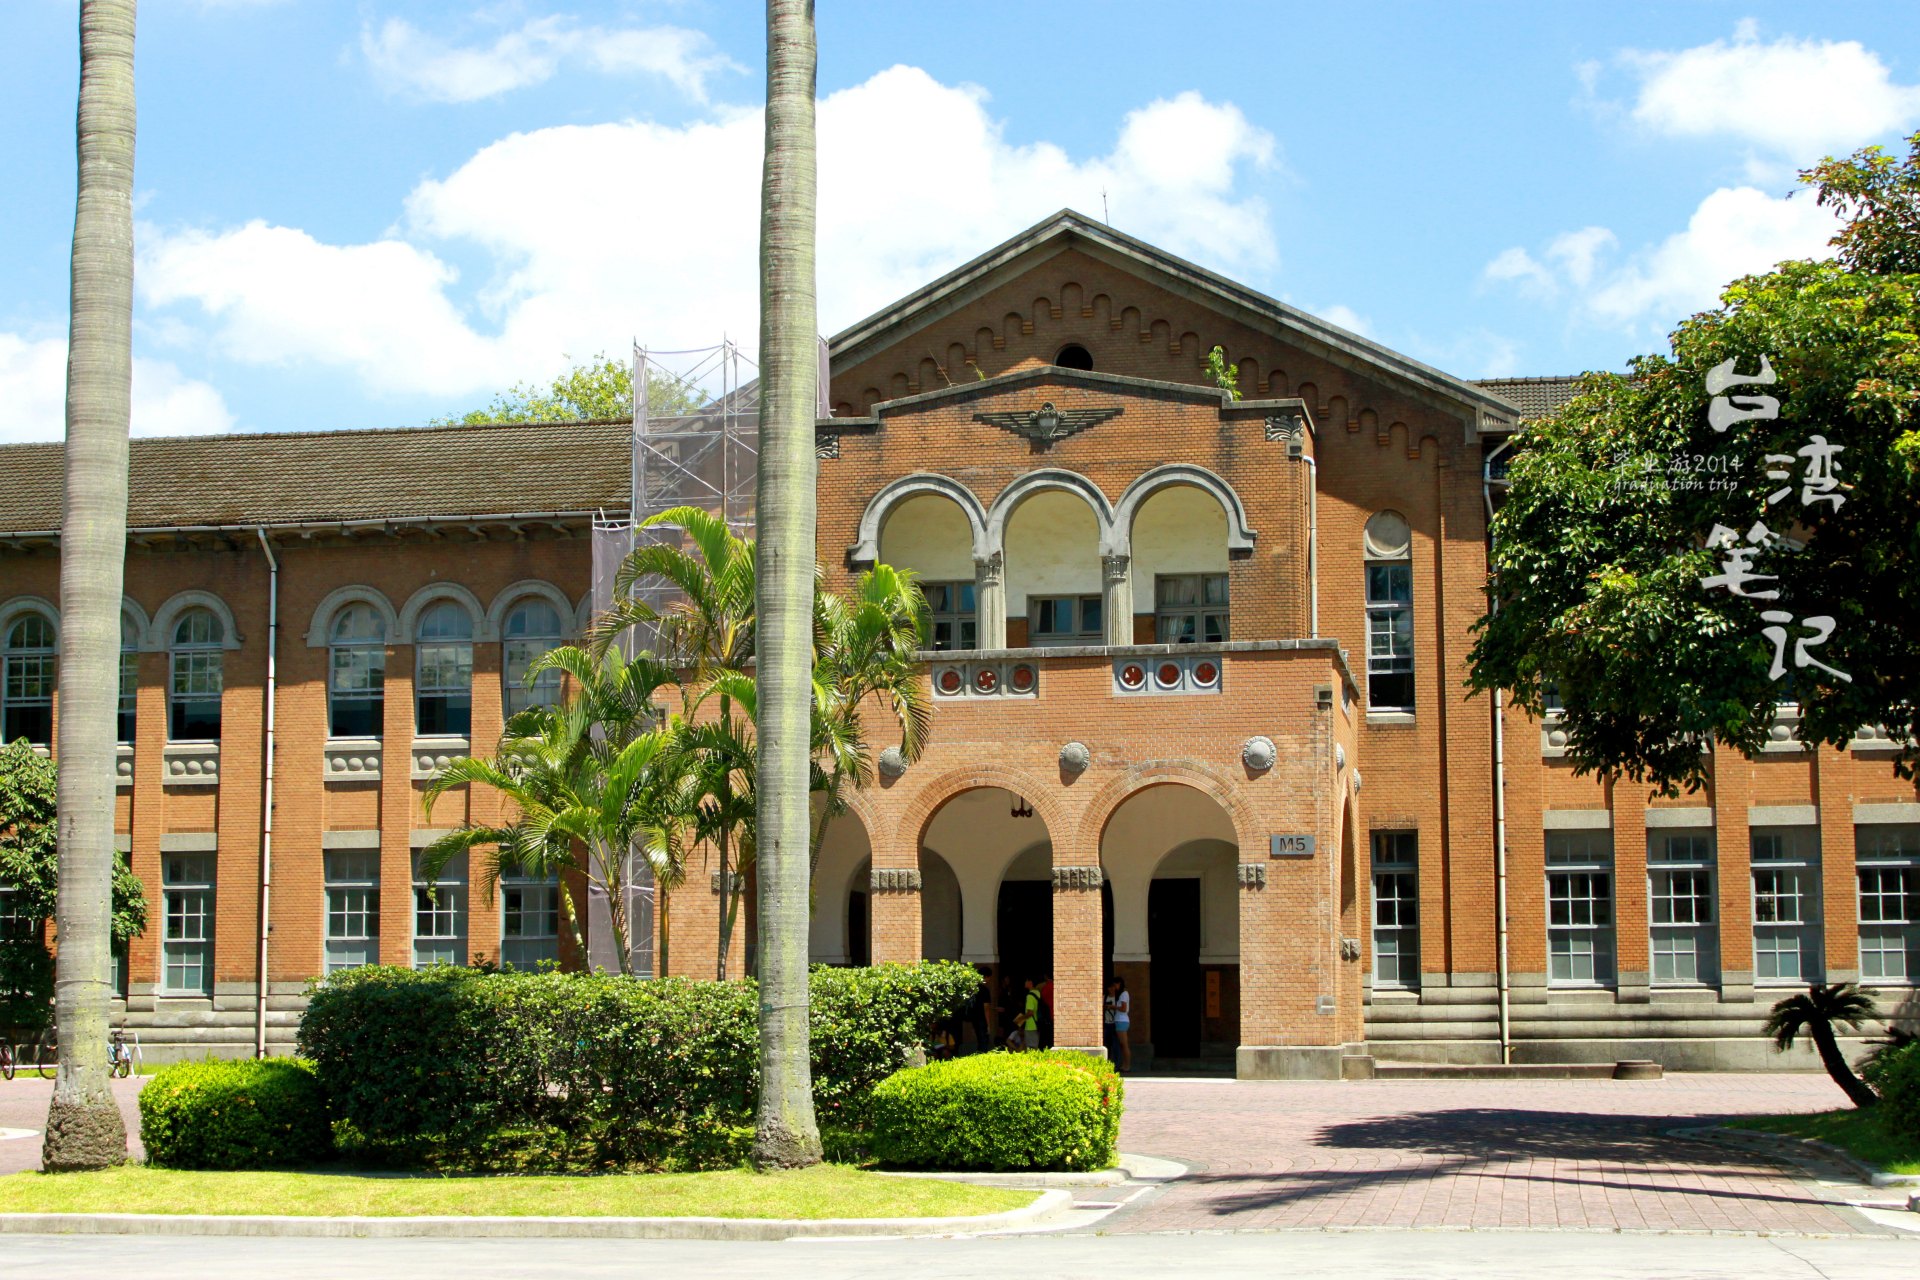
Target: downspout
x=1313 y=545
x=1499 y=801
x=266 y=800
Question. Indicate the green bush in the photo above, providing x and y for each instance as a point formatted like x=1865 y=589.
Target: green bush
x=1894 y=1073
x=1055 y=1111
x=235 y=1115
x=458 y=1067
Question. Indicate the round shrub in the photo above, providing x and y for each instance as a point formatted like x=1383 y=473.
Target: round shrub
x=1052 y=1111
x=1894 y=1072
x=235 y=1115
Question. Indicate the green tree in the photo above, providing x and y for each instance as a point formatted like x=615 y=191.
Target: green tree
x=84 y=1129
x=600 y=389
x=590 y=783
x=1601 y=548
x=785 y=1133
x=1815 y=1012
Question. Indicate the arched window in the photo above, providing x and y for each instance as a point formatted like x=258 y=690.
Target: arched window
x=26 y=696
x=129 y=677
x=356 y=672
x=199 y=662
x=443 y=665
x=1389 y=553
x=533 y=628
x=1074 y=356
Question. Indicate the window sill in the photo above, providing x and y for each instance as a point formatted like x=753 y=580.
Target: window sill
x=190 y=764
x=433 y=753
x=1384 y=718
x=351 y=760
x=1581 y=989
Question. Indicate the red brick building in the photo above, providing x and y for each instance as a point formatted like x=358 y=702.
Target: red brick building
x=1199 y=707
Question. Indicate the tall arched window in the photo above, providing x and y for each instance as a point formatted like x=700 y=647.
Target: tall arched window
x=1389 y=553
x=26 y=691
x=533 y=628
x=356 y=672
x=129 y=678
x=443 y=680
x=199 y=668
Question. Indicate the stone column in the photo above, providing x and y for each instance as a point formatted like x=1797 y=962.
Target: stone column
x=990 y=599
x=1116 y=573
x=1078 y=968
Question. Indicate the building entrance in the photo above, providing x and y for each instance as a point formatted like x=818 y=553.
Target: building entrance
x=1024 y=927
x=1176 y=992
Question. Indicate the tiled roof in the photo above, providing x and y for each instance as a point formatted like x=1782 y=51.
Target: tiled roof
x=1534 y=397
x=300 y=477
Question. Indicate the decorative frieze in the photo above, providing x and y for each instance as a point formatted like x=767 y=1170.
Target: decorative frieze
x=1078 y=878
x=1173 y=673
x=190 y=764
x=1874 y=737
x=826 y=447
x=895 y=879
x=1784 y=733
x=350 y=760
x=986 y=680
x=1349 y=948
x=1253 y=875
x=1046 y=425
x=432 y=755
x=1553 y=736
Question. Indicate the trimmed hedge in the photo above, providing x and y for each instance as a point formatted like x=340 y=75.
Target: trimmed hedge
x=451 y=1066
x=1053 y=1111
x=1894 y=1073
x=235 y=1115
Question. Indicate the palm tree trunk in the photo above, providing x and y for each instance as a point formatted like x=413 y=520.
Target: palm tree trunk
x=84 y=1130
x=1857 y=1090
x=720 y=909
x=785 y=1133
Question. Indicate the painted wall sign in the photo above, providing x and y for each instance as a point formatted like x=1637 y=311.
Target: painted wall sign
x=1291 y=846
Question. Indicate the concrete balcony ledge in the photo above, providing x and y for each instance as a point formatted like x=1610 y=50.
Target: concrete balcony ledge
x=350 y=760
x=1325 y=644
x=433 y=754
x=190 y=764
x=123 y=765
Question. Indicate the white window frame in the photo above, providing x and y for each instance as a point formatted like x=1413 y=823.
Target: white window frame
x=1389 y=632
x=953 y=615
x=357 y=670
x=1785 y=864
x=29 y=674
x=1076 y=607
x=1683 y=911
x=1187 y=621
x=196 y=671
x=1396 y=910
x=443 y=671
x=352 y=879
x=521 y=645
x=440 y=914
x=1580 y=909
x=529 y=901
x=188 y=889
x=1887 y=867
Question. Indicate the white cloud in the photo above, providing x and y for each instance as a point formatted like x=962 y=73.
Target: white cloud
x=1347 y=318
x=666 y=247
x=33 y=395
x=411 y=61
x=1798 y=98
x=1735 y=231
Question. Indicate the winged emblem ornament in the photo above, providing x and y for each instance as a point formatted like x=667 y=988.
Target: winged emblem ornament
x=1047 y=424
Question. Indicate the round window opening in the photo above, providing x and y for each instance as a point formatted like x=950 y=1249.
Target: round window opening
x=1388 y=536
x=1074 y=356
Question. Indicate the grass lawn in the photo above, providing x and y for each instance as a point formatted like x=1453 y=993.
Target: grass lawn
x=826 y=1191
x=1858 y=1132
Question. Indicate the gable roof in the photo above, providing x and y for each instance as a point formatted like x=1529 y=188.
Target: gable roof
x=1483 y=408
x=1534 y=397
x=311 y=477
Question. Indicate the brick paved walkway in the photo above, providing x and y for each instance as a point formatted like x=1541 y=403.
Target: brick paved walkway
x=1515 y=1154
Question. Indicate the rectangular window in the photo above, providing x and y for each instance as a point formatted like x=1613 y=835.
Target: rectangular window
x=529 y=921
x=1190 y=608
x=353 y=908
x=1683 y=939
x=445 y=692
x=356 y=690
x=954 y=623
x=1580 y=908
x=1888 y=860
x=1396 y=909
x=15 y=924
x=440 y=915
x=194 y=699
x=186 y=945
x=1786 y=906
x=28 y=699
x=1390 y=636
x=518 y=655
x=129 y=692
x=1064 y=620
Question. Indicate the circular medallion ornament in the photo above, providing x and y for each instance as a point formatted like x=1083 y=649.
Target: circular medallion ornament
x=1206 y=674
x=1022 y=679
x=1258 y=753
x=986 y=680
x=1074 y=757
x=892 y=762
x=1133 y=675
x=950 y=681
x=1168 y=674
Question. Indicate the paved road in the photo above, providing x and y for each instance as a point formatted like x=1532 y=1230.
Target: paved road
x=23 y=1105
x=1590 y=1155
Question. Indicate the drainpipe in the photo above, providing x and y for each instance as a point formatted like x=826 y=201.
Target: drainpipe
x=266 y=800
x=1499 y=801
x=1313 y=546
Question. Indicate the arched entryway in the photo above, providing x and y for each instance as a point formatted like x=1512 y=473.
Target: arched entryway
x=1169 y=853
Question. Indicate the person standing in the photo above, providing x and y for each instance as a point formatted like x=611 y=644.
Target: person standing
x=1030 y=1017
x=1121 y=1005
x=977 y=1017
x=1046 y=1013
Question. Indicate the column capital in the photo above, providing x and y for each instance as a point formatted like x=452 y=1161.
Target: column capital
x=1115 y=568
x=990 y=569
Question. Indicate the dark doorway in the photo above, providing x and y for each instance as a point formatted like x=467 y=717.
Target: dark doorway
x=1173 y=942
x=1025 y=929
x=859 y=930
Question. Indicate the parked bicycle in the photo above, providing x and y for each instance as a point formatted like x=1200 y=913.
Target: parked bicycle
x=123 y=1053
x=6 y=1059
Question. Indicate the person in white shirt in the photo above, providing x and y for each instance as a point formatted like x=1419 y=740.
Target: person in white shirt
x=1119 y=1018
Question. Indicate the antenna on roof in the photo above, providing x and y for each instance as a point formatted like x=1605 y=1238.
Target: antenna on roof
x=1103 y=207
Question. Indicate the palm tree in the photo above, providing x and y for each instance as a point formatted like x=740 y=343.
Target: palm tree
x=785 y=1134
x=1815 y=1012
x=864 y=648
x=577 y=788
x=84 y=1129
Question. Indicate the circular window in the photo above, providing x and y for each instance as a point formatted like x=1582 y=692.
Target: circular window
x=1168 y=674
x=1388 y=537
x=985 y=680
x=1205 y=673
x=1022 y=679
x=1074 y=356
x=1133 y=675
x=950 y=681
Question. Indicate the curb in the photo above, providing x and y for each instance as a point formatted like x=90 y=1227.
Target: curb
x=1132 y=1168
x=1801 y=1149
x=1046 y=1205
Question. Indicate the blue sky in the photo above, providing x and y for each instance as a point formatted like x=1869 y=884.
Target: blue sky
x=372 y=213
